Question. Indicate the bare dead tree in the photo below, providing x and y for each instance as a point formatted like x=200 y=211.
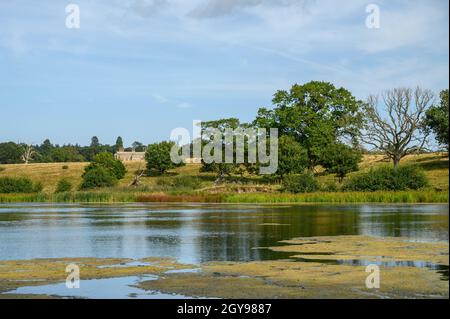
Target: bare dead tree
x=137 y=176
x=397 y=128
x=28 y=153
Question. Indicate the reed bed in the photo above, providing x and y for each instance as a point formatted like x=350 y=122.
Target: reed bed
x=428 y=196
x=423 y=196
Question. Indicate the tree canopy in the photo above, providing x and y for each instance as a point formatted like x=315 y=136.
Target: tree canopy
x=437 y=121
x=158 y=157
x=315 y=114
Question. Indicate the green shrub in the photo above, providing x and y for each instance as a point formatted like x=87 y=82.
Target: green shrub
x=303 y=183
x=2 y=169
x=107 y=161
x=340 y=159
x=292 y=157
x=181 y=181
x=63 y=186
x=330 y=186
x=98 y=177
x=18 y=185
x=388 y=178
x=164 y=182
x=65 y=167
x=38 y=187
x=185 y=181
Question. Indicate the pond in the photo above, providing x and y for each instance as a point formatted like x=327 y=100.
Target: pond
x=197 y=233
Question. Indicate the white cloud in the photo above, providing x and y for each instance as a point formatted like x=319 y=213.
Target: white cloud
x=184 y=105
x=219 y=8
x=160 y=98
x=322 y=39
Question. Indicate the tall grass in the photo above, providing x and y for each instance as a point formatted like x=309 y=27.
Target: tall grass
x=423 y=196
x=163 y=198
x=72 y=197
x=343 y=197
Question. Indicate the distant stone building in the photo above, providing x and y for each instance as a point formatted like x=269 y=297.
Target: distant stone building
x=130 y=156
x=193 y=160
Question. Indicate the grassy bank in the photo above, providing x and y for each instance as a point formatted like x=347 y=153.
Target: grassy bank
x=251 y=190
x=343 y=197
x=426 y=196
x=74 y=197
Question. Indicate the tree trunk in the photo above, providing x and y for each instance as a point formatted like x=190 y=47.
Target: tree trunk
x=396 y=160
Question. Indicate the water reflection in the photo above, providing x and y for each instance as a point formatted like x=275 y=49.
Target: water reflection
x=199 y=233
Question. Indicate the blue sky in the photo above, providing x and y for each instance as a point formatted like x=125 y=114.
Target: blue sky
x=140 y=68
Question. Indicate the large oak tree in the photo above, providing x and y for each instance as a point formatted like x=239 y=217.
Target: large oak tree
x=316 y=115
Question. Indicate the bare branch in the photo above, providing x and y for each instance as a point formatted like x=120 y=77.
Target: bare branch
x=28 y=153
x=400 y=132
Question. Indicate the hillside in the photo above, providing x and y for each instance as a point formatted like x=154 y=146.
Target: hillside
x=435 y=165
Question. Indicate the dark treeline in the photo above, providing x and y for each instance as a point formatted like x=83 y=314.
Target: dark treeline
x=47 y=152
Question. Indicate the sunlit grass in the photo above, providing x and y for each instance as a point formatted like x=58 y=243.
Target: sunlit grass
x=343 y=197
x=435 y=166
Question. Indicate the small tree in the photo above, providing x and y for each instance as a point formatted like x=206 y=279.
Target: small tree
x=138 y=146
x=341 y=159
x=222 y=168
x=98 y=177
x=400 y=132
x=107 y=161
x=18 y=185
x=303 y=183
x=95 y=142
x=119 y=144
x=292 y=157
x=158 y=157
x=63 y=186
x=437 y=121
x=28 y=153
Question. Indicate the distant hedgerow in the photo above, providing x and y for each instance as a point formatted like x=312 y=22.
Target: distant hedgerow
x=388 y=178
x=303 y=183
x=10 y=185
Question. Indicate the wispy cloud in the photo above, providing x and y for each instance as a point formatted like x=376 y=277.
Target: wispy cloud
x=219 y=8
x=147 y=8
x=160 y=98
x=184 y=105
x=215 y=58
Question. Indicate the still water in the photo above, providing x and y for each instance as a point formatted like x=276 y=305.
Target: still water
x=198 y=232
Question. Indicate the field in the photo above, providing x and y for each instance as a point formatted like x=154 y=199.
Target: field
x=253 y=190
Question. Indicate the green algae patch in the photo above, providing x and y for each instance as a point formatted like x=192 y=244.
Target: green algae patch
x=318 y=278
x=278 y=279
x=288 y=279
x=366 y=248
x=219 y=286
x=20 y=273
